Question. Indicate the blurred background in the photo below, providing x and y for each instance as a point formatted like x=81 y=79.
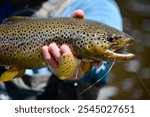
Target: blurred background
x=124 y=82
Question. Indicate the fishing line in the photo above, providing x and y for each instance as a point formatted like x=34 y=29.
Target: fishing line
x=99 y=79
x=142 y=82
x=77 y=73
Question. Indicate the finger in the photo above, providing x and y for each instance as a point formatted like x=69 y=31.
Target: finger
x=78 y=14
x=48 y=58
x=55 y=51
x=65 y=49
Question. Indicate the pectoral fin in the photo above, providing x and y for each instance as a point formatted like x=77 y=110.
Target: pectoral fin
x=86 y=67
x=68 y=66
x=11 y=73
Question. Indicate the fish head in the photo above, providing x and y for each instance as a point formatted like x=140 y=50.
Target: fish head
x=111 y=46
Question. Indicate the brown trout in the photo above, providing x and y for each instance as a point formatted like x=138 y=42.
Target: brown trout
x=21 y=40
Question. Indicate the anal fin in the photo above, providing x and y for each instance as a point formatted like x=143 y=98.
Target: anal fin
x=11 y=73
x=86 y=67
x=21 y=73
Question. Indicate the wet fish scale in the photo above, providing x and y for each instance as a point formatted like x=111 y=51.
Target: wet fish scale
x=27 y=39
x=21 y=40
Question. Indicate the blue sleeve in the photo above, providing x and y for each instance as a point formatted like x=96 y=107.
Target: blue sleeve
x=105 y=11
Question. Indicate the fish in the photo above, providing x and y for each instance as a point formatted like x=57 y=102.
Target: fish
x=22 y=39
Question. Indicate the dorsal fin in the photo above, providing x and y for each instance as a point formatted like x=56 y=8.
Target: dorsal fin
x=16 y=19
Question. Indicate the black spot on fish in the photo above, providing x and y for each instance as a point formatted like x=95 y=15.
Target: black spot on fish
x=83 y=37
x=13 y=34
x=99 y=38
x=89 y=46
x=24 y=49
x=38 y=55
x=93 y=35
x=4 y=53
x=7 y=49
x=81 y=46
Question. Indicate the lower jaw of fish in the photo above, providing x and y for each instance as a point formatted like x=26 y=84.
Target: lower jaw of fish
x=117 y=55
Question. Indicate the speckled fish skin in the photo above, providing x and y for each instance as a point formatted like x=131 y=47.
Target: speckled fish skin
x=21 y=40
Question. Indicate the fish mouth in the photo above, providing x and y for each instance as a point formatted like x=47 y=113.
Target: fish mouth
x=117 y=51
